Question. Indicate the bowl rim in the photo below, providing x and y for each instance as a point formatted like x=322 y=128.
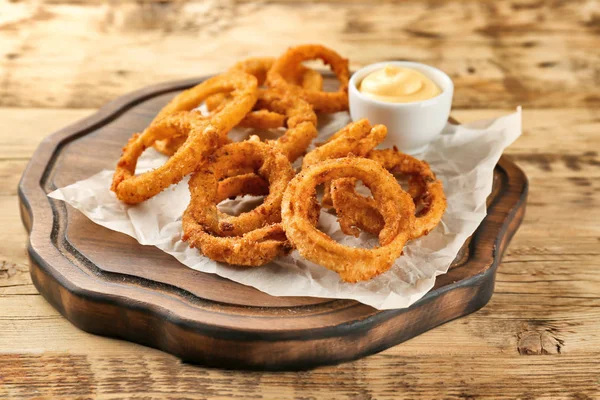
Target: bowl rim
x=359 y=74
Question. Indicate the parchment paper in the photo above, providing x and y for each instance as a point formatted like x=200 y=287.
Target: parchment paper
x=463 y=157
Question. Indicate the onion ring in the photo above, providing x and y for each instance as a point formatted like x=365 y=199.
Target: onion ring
x=180 y=123
x=356 y=138
x=254 y=185
x=352 y=264
x=253 y=238
x=204 y=136
x=264 y=160
x=357 y=211
x=280 y=76
x=254 y=248
x=296 y=113
x=300 y=119
x=258 y=67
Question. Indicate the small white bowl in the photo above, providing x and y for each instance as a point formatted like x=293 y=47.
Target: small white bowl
x=411 y=126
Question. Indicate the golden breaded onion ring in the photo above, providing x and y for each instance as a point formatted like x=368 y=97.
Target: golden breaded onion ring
x=265 y=161
x=300 y=119
x=356 y=138
x=253 y=249
x=296 y=114
x=352 y=264
x=278 y=109
x=181 y=123
x=203 y=137
x=258 y=67
x=281 y=76
x=252 y=238
x=357 y=211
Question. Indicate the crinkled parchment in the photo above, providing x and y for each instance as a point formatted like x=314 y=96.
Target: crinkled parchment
x=463 y=157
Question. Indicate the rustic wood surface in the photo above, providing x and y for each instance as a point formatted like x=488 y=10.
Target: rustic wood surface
x=539 y=337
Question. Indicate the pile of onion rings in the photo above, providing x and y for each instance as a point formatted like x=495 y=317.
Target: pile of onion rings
x=282 y=94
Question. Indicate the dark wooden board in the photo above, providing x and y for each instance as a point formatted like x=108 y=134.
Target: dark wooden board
x=108 y=284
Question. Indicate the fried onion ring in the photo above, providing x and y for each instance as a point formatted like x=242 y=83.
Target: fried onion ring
x=258 y=67
x=356 y=138
x=359 y=212
x=296 y=114
x=281 y=76
x=352 y=264
x=203 y=137
x=300 y=119
x=264 y=160
x=180 y=123
x=252 y=238
x=254 y=248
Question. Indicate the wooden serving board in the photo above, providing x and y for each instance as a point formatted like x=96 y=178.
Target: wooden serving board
x=107 y=283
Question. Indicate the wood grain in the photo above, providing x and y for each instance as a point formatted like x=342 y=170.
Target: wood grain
x=499 y=54
x=547 y=284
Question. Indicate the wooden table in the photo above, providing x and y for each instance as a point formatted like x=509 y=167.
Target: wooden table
x=539 y=337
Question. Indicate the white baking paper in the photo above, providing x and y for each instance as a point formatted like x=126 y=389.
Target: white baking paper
x=463 y=157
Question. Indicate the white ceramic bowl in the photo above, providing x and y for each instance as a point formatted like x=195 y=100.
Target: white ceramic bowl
x=411 y=126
